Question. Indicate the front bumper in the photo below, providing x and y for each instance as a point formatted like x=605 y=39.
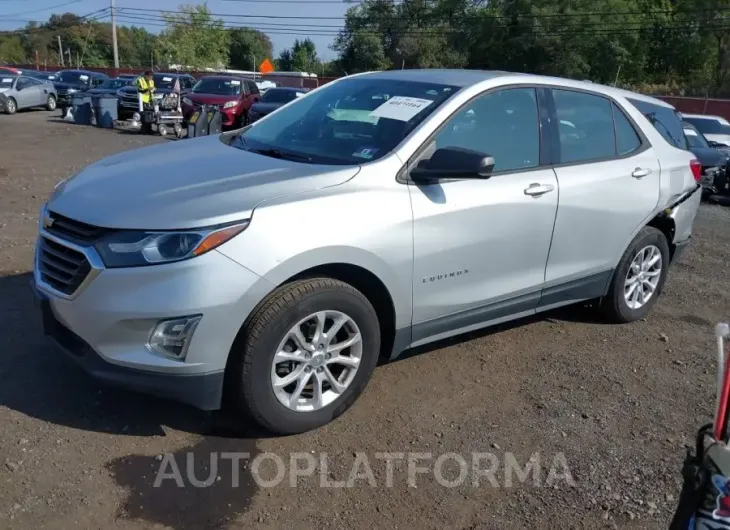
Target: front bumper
x=106 y=324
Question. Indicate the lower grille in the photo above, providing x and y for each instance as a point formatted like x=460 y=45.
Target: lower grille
x=62 y=268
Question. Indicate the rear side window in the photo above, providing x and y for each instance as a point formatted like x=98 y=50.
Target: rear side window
x=252 y=88
x=585 y=124
x=708 y=125
x=665 y=120
x=627 y=141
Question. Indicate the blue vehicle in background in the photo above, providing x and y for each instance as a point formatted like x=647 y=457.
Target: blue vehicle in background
x=110 y=86
x=48 y=77
x=69 y=82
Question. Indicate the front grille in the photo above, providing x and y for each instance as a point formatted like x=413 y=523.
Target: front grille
x=62 y=268
x=75 y=231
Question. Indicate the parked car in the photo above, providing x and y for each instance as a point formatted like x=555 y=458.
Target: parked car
x=715 y=162
x=24 y=92
x=110 y=86
x=128 y=76
x=70 y=82
x=164 y=84
x=273 y=99
x=48 y=77
x=716 y=129
x=234 y=96
x=273 y=265
x=9 y=70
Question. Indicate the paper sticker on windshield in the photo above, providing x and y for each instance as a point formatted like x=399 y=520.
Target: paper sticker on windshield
x=166 y=79
x=365 y=152
x=299 y=94
x=235 y=83
x=690 y=132
x=7 y=79
x=401 y=108
x=84 y=77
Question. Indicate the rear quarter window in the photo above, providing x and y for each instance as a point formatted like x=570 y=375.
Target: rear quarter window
x=665 y=120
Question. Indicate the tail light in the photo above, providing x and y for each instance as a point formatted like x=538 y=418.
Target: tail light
x=696 y=168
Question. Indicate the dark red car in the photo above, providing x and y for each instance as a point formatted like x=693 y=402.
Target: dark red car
x=233 y=96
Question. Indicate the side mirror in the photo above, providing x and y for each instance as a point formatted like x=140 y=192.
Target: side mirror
x=454 y=162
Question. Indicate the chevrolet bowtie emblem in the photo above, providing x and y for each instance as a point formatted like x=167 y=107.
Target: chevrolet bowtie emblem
x=47 y=221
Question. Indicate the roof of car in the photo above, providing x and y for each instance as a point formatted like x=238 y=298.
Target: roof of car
x=172 y=74
x=89 y=72
x=465 y=78
x=288 y=89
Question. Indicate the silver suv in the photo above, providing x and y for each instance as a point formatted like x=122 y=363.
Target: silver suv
x=271 y=267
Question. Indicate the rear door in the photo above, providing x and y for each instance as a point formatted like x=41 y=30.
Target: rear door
x=609 y=178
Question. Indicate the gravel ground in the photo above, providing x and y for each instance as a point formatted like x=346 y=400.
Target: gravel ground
x=618 y=403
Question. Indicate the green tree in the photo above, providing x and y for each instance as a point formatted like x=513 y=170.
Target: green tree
x=362 y=53
x=11 y=50
x=248 y=47
x=193 y=39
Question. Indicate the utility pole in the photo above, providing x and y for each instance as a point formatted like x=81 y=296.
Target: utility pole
x=114 y=34
x=60 y=52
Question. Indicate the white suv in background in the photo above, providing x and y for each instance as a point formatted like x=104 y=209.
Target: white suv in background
x=713 y=128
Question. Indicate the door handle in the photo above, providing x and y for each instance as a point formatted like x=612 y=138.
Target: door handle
x=640 y=173
x=537 y=190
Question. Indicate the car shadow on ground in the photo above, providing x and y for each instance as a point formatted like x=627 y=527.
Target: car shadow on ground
x=36 y=380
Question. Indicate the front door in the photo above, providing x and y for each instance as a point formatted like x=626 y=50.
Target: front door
x=481 y=245
x=25 y=96
x=609 y=185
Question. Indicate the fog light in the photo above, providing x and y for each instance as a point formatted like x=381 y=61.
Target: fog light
x=172 y=337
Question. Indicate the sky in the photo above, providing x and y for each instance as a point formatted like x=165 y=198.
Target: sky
x=15 y=13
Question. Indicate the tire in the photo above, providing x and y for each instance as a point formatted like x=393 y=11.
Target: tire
x=615 y=306
x=11 y=106
x=250 y=371
x=51 y=103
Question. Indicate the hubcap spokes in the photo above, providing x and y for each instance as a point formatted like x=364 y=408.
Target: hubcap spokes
x=316 y=361
x=643 y=277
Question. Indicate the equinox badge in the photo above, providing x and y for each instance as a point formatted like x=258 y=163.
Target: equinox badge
x=446 y=275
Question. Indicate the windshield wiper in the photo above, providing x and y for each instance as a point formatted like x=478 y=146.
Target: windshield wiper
x=276 y=153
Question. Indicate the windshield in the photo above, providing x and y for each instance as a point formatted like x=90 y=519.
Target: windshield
x=218 y=86
x=347 y=122
x=164 y=81
x=75 y=78
x=114 y=84
x=6 y=81
x=694 y=138
x=709 y=125
x=279 y=95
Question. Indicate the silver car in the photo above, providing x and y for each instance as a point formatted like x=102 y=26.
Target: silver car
x=23 y=92
x=272 y=266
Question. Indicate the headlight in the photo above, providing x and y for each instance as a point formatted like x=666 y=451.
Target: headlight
x=137 y=248
x=120 y=93
x=72 y=90
x=187 y=101
x=230 y=104
x=157 y=96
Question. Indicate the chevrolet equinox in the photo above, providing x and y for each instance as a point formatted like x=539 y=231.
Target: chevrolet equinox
x=270 y=267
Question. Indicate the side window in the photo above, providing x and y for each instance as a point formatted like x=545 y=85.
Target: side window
x=253 y=88
x=503 y=125
x=627 y=141
x=585 y=123
x=665 y=120
x=22 y=83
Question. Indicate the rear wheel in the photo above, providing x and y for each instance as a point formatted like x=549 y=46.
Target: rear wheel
x=638 y=280
x=304 y=356
x=51 y=103
x=11 y=106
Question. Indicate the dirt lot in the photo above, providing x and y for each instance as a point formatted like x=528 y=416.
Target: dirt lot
x=619 y=402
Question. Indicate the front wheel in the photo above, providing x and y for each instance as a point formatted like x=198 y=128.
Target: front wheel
x=11 y=106
x=638 y=280
x=304 y=356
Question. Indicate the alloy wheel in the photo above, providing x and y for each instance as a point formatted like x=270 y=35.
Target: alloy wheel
x=643 y=277
x=316 y=361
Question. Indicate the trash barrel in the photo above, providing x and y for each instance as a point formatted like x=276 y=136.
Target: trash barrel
x=106 y=111
x=77 y=101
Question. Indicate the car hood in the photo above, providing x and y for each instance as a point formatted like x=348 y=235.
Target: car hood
x=265 y=108
x=4 y=89
x=709 y=156
x=210 y=99
x=185 y=184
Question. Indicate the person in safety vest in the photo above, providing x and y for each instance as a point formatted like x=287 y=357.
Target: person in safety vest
x=145 y=88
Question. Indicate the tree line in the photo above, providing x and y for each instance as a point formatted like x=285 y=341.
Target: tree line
x=669 y=46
